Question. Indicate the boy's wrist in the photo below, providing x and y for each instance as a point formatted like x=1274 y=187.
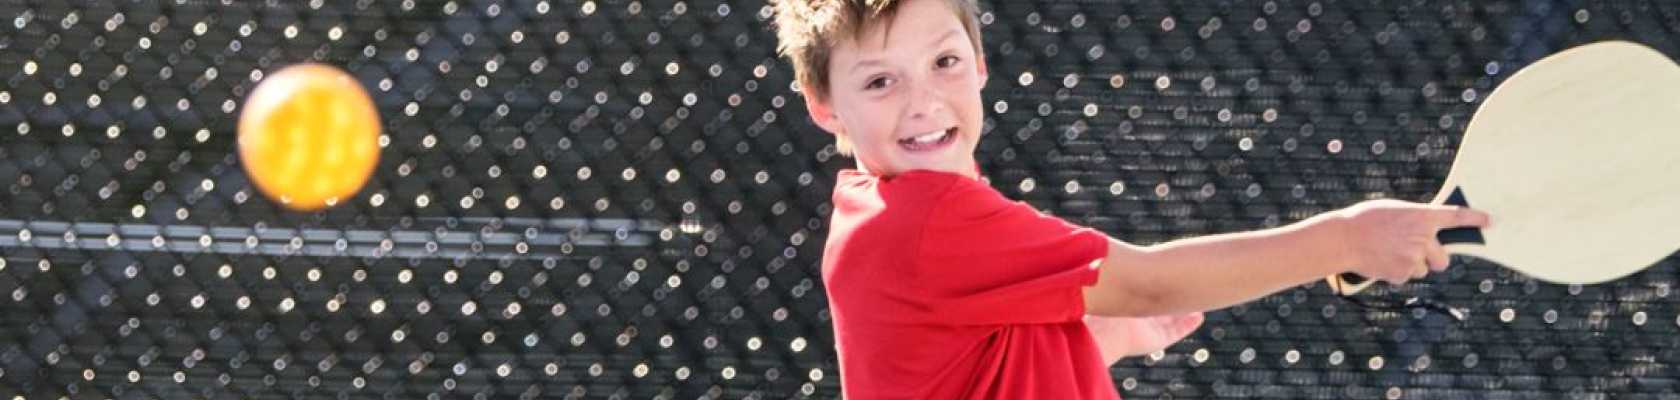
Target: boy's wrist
x=1329 y=232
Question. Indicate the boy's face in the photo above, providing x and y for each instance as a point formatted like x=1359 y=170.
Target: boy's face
x=907 y=93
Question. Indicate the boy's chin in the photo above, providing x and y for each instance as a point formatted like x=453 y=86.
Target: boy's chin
x=954 y=165
x=953 y=159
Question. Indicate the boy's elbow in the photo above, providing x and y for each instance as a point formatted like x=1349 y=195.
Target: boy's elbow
x=1120 y=292
x=1107 y=302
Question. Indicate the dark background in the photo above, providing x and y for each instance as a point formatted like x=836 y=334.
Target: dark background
x=617 y=199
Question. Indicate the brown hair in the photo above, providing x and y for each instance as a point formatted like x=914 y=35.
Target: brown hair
x=808 y=30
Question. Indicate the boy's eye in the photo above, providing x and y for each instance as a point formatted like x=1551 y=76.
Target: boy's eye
x=877 y=83
x=947 y=61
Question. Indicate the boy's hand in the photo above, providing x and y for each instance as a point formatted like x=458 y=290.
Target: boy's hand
x=1125 y=336
x=1394 y=241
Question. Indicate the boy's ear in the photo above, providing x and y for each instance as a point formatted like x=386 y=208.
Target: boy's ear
x=822 y=113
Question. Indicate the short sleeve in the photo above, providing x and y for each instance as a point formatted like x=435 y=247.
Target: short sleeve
x=985 y=259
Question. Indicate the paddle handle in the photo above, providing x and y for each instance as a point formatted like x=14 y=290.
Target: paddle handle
x=1348 y=283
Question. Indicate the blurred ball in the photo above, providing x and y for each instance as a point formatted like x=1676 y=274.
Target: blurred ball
x=309 y=136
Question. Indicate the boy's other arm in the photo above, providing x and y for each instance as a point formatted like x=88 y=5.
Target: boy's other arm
x=1120 y=337
x=1386 y=240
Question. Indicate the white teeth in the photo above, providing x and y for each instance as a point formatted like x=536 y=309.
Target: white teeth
x=929 y=137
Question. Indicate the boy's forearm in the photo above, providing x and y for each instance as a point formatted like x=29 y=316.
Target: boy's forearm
x=1218 y=271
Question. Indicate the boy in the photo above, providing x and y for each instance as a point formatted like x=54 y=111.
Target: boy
x=941 y=288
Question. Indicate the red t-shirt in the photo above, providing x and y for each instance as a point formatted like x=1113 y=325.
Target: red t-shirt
x=941 y=288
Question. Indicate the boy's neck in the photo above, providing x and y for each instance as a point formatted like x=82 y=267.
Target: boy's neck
x=971 y=173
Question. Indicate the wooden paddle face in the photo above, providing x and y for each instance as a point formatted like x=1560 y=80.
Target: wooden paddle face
x=1577 y=158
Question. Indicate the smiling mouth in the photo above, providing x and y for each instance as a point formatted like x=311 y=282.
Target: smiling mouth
x=929 y=141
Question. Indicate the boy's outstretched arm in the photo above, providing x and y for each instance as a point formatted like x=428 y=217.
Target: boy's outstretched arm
x=1386 y=240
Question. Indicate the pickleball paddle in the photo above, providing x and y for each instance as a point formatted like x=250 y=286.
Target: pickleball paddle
x=1577 y=156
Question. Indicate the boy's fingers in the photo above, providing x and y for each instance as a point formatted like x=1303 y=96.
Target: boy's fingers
x=1396 y=275
x=1192 y=319
x=1437 y=258
x=1189 y=322
x=1460 y=217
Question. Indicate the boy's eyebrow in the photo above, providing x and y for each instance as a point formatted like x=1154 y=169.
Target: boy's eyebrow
x=934 y=43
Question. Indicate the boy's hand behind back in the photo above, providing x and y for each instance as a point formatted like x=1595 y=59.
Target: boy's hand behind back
x=1119 y=337
x=1394 y=241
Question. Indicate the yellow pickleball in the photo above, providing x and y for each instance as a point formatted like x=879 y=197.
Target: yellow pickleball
x=309 y=136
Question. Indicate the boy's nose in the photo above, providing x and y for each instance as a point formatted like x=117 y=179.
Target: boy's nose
x=926 y=101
